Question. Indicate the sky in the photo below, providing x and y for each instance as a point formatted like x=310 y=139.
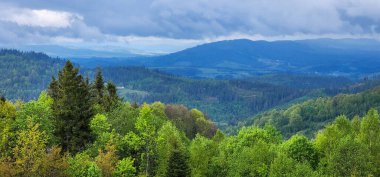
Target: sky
x=164 y=26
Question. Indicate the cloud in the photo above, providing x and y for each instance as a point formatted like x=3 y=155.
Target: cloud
x=20 y=25
x=39 y=18
x=167 y=25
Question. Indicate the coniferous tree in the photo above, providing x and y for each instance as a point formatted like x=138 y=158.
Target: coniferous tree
x=178 y=166
x=111 y=99
x=72 y=109
x=2 y=99
x=112 y=91
x=99 y=86
x=53 y=88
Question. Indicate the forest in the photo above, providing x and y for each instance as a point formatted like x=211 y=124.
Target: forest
x=199 y=88
x=310 y=116
x=226 y=102
x=82 y=128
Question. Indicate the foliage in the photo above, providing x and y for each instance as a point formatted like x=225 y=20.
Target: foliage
x=38 y=112
x=72 y=109
x=125 y=168
x=156 y=146
x=171 y=140
x=106 y=160
x=29 y=150
x=99 y=124
x=82 y=165
x=7 y=117
x=302 y=150
x=310 y=116
x=225 y=101
x=25 y=74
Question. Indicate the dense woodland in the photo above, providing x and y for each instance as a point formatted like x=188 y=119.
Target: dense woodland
x=25 y=74
x=226 y=102
x=82 y=128
x=310 y=116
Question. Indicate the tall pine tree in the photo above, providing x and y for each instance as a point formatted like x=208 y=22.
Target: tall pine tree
x=72 y=109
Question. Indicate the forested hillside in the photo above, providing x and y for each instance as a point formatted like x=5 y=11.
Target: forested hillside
x=227 y=102
x=82 y=128
x=25 y=74
x=243 y=58
x=310 y=116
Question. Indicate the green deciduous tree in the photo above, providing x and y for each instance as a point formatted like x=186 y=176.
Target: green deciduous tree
x=202 y=151
x=169 y=139
x=125 y=168
x=284 y=166
x=99 y=124
x=369 y=136
x=7 y=117
x=82 y=165
x=147 y=131
x=30 y=150
x=38 y=112
x=106 y=160
x=350 y=158
x=301 y=149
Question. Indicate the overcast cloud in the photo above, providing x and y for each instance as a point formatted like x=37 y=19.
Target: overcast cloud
x=169 y=25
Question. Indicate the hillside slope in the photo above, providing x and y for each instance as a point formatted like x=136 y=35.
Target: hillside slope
x=225 y=101
x=244 y=57
x=241 y=58
x=310 y=116
x=24 y=74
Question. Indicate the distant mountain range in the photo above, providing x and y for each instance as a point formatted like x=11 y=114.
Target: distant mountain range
x=68 y=52
x=237 y=58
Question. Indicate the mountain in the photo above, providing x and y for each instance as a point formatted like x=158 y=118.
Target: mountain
x=241 y=58
x=77 y=52
x=244 y=57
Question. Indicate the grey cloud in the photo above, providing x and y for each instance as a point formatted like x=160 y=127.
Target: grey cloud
x=107 y=21
x=199 y=18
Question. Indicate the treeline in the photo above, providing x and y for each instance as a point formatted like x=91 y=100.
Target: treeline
x=26 y=74
x=79 y=128
x=82 y=128
x=227 y=102
x=310 y=116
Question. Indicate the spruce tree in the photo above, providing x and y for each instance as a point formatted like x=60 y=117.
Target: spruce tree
x=112 y=91
x=53 y=88
x=178 y=164
x=99 y=86
x=72 y=109
x=2 y=98
x=111 y=99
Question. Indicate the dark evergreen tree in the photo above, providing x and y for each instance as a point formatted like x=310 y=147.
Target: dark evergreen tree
x=111 y=99
x=99 y=86
x=72 y=109
x=178 y=164
x=53 y=88
x=2 y=98
x=112 y=91
x=135 y=105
